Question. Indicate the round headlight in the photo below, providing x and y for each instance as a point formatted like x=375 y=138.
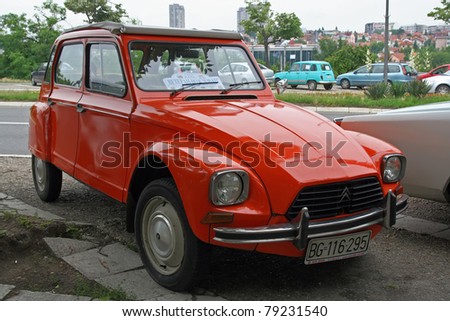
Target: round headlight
x=228 y=188
x=393 y=168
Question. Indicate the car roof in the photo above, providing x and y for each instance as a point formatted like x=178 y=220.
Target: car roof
x=119 y=28
x=312 y=62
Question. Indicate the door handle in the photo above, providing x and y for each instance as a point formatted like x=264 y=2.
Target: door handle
x=80 y=108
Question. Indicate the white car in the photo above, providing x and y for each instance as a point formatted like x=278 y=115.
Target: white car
x=268 y=73
x=439 y=84
x=237 y=72
x=422 y=133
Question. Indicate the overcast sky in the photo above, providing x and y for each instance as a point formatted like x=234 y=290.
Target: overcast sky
x=221 y=14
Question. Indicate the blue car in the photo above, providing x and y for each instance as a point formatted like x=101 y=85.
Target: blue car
x=308 y=73
x=369 y=75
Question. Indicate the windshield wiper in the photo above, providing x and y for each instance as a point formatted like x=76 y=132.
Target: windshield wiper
x=238 y=85
x=189 y=85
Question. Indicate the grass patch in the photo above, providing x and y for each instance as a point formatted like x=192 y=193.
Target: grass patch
x=351 y=100
x=94 y=290
x=25 y=95
x=11 y=80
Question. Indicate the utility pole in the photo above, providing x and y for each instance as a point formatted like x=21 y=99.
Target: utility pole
x=386 y=42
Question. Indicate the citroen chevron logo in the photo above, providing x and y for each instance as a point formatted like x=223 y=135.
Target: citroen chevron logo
x=345 y=195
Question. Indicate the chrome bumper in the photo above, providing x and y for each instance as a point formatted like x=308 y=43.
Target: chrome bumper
x=303 y=229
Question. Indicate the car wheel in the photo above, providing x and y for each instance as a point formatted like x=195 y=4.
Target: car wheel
x=312 y=85
x=33 y=82
x=47 y=179
x=328 y=86
x=442 y=89
x=294 y=86
x=172 y=254
x=345 y=84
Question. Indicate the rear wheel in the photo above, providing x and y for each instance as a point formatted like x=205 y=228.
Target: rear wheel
x=442 y=89
x=294 y=86
x=345 y=84
x=172 y=254
x=47 y=179
x=312 y=85
x=328 y=86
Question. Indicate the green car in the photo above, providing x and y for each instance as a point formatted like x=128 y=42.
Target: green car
x=308 y=73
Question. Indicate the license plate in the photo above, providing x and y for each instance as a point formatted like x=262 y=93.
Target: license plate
x=337 y=247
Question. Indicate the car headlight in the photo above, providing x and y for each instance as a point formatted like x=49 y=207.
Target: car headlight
x=229 y=187
x=393 y=168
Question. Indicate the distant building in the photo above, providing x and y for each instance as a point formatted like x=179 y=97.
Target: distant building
x=176 y=16
x=241 y=15
x=442 y=42
x=415 y=28
x=376 y=26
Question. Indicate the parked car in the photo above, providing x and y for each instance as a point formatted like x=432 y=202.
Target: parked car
x=308 y=73
x=268 y=73
x=37 y=76
x=238 y=72
x=439 y=84
x=369 y=75
x=434 y=72
x=420 y=132
x=200 y=159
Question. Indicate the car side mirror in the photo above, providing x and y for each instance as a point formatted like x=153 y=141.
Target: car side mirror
x=281 y=86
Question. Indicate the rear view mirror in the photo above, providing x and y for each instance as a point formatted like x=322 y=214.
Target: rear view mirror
x=281 y=86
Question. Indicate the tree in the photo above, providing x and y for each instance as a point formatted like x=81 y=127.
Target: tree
x=327 y=47
x=347 y=58
x=268 y=26
x=441 y=13
x=26 y=42
x=97 y=10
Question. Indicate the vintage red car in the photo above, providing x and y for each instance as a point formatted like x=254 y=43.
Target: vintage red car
x=202 y=157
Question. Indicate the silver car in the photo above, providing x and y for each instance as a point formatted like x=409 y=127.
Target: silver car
x=422 y=134
x=268 y=73
x=439 y=84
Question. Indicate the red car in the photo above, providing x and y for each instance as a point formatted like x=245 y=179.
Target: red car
x=434 y=72
x=201 y=159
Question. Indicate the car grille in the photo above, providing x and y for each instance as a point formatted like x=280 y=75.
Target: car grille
x=338 y=198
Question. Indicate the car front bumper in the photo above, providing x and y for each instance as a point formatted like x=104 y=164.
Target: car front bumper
x=303 y=229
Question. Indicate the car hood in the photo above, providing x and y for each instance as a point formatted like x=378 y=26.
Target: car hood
x=288 y=147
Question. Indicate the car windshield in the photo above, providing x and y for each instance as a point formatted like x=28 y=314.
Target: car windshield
x=169 y=67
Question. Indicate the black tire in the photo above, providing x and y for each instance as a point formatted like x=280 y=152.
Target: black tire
x=294 y=86
x=171 y=253
x=312 y=85
x=328 y=86
x=442 y=89
x=345 y=83
x=47 y=179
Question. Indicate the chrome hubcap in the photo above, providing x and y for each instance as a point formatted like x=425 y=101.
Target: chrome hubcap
x=40 y=173
x=163 y=238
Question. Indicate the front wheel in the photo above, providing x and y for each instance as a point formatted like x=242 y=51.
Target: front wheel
x=47 y=179
x=171 y=253
x=442 y=89
x=345 y=84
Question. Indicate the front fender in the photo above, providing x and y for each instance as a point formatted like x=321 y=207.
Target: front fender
x=191 y=165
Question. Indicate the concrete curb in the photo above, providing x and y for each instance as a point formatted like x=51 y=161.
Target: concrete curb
x=16 y=103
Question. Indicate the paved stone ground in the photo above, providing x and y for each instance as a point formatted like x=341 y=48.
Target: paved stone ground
x=118 y=267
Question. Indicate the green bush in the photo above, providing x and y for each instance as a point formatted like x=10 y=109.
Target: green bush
x=418 y=88
x=398 y=89
x=377 y=91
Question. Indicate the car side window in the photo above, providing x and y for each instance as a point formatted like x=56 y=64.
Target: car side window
x=306 y=67
x=393 y=69
x=105 y=73
x=313 y=68
x=377 y=69
x=69 y=69
x=295 y=67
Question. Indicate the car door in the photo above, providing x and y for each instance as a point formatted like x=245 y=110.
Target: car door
x=306 y=71
x=105 y=110
x=293 y=75
x=376 y=74
x=361 y=77
x=63 y=101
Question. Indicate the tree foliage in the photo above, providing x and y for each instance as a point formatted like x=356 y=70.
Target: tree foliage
x=26 y=42
x=441 y=13
x=268 y=26
x=347 y=58
x=97 y=10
